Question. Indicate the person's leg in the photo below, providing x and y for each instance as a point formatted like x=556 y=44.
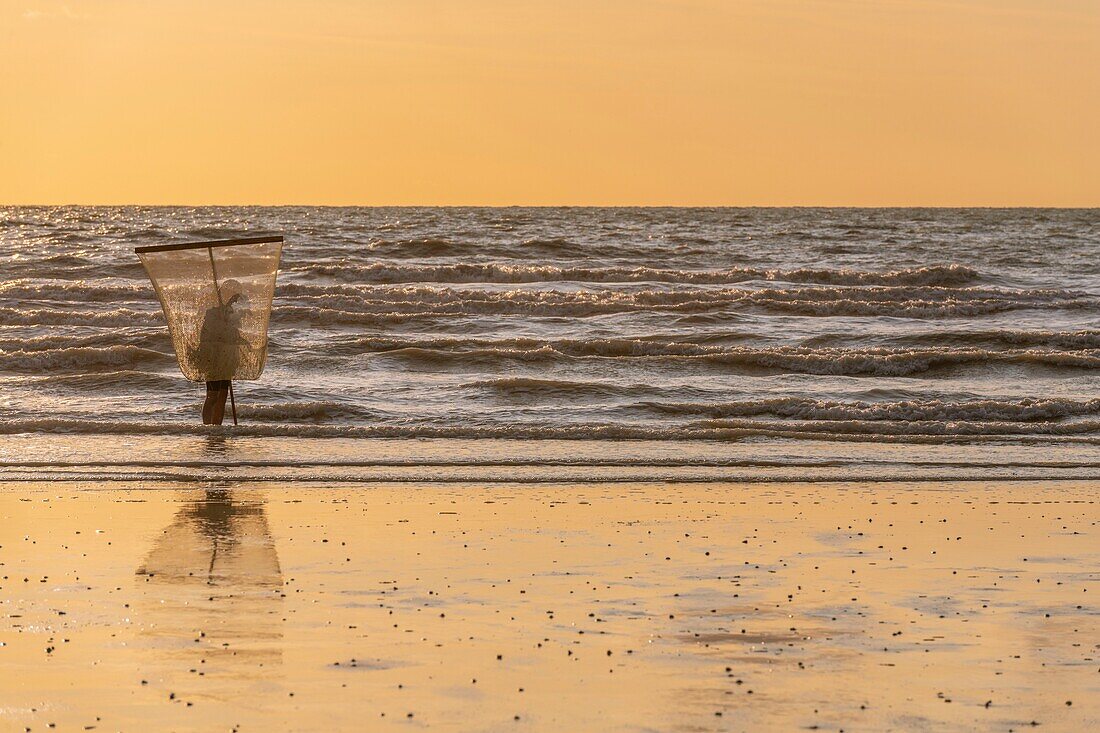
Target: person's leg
x=218 y=413
x=208 y=404
x=213 y=409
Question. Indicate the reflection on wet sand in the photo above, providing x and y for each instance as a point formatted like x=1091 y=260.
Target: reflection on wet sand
x=213 y=589
x=583 y=607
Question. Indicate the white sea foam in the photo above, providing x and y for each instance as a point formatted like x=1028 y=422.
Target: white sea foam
x=932 y=432
x=108 y=316
x=87 y=291
x=941 y=412
x=942 y=275
x=871 y=361
x=350 y=305
x=81 y=358
x=320 y=410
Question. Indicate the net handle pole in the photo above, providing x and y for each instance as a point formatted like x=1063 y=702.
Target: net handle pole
x=214 y=270
x=232 y=402
x=221 y=304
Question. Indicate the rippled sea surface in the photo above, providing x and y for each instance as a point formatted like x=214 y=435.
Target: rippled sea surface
x=696 y=339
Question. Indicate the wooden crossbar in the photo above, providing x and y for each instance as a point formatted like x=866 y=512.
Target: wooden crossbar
x=204 y=245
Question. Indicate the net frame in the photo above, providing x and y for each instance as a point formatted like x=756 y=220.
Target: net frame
x=178 y=316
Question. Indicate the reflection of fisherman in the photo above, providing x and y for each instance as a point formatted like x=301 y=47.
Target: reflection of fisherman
x=220 y=344
x=216 y=538
x=214 y=568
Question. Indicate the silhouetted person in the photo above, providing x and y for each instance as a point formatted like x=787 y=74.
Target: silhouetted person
x=219 y=350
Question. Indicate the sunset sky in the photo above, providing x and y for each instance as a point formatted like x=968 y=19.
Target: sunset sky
x=715 y=102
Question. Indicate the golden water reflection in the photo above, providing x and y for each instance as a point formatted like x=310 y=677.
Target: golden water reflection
x=212 y=602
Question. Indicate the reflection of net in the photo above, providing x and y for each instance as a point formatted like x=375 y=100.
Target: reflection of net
x=216 y=540
x=214 y=569
x=217 y=301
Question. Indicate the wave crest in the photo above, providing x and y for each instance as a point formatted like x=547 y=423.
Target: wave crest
x=386 y=273
x=346 y=303
x=80 y=358
x=855 y=361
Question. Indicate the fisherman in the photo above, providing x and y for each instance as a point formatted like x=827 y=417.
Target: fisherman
x=218 y=325
x=218 y=352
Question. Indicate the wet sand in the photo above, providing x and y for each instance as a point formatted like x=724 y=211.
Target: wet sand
x=611 y=607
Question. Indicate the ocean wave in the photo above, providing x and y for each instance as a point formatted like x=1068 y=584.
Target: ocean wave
x=608 y=347
x=81 y=358
x=1080 y=339
x=418 y=247
x=970 y=338
x=551 y=387
x=64 y=267
x=319 y=410
x=900 y=301
x=314 y=317
x=869 y=303
x=458 y=243
x=475 y=245
x=871 y=361
x=146 y=338
x=627 y=460
x=930 y=410
x=364 y=303
x=118 y=380
x=897 y=362
x=903 y=428
x=388 y=273
x=79 y=290
x=109 y=316
x=933 y=432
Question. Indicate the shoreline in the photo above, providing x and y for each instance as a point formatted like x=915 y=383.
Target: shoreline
x=138 y=460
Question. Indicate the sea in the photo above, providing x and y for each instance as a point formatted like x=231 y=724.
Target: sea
x=568 y=344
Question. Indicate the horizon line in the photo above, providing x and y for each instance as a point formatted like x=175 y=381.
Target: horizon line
x=1066 y=207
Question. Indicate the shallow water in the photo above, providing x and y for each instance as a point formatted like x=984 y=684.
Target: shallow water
x=969 y=329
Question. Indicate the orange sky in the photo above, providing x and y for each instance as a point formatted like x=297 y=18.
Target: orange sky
x=738 y=102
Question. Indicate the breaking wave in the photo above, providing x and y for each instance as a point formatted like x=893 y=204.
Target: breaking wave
x=112 y=316
x=937 y=275
x=348 y=304
x=81 y=358
x=929 y=411
x=316 y=411
x=870 y=361
x=933 y=432
x=81 y=290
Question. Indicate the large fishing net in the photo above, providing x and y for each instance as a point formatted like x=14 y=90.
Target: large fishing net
x=217 y=300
